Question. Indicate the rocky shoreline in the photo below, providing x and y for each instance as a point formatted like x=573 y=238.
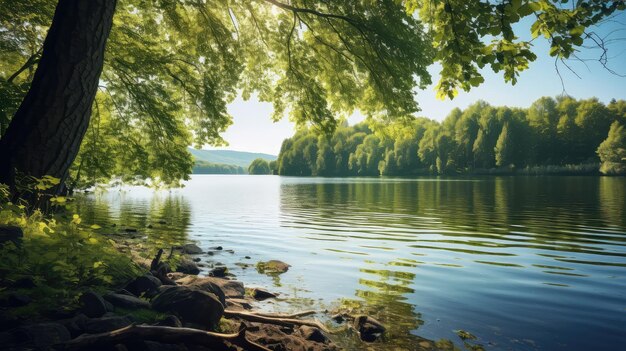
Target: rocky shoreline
x=181 y=310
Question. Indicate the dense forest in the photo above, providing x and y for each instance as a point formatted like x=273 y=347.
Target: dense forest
x=561 y=135
x=204 y=167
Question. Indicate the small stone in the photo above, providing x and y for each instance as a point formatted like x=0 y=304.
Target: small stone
x=130 y=230
x=247 y=257
x=261 y=294
x=149 y=226
x=93 y=305
x=218 y=248
x=162 y=222
x=339 y=318
x=196 y=259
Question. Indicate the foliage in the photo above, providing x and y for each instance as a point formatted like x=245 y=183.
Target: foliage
x=612 y=151
x=204 y=167
x=171 y=68
x=61 y=255
x=259 y=166
x=553 y=136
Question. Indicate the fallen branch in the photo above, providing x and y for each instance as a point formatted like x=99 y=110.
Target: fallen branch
x=168 y=335
x=260 y=318
x=279 y=315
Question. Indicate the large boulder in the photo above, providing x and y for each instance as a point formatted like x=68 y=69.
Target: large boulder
x=223 y=288
x=92 y=304
x=191 y=304
x=144 y=284
x=126 y=301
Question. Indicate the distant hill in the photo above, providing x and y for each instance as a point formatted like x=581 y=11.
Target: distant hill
x=229 y=157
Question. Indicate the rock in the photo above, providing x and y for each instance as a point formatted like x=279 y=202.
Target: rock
x=187 y=266
x=143 y=284
x=162 y=222
x=38 y=336
x=92 y=304
x=75 y=325
x=247 y=257
x=191 y=304
x=11 y=233
x=218 y=272
x=369 y=329
x=149 y=226
x=169 y=321
x=261 y=294
x=228 y=288
x=196 y=259
x=218 y=248
x=339 y=318
x=272 y=267
x=130 y=230
x=313 y=334
x=105 y=324
x=126 y=301
x=192 y=249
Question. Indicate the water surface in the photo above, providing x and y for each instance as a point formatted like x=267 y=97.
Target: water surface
x=523 y=263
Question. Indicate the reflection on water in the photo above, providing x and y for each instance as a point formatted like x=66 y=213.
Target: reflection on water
x=524 y=263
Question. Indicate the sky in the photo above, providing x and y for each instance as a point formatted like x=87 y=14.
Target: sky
x=253 y=130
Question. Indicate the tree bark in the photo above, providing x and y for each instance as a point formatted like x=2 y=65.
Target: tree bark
x=45 y=134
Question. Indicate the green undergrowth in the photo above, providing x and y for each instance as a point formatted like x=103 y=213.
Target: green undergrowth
x=59 y=256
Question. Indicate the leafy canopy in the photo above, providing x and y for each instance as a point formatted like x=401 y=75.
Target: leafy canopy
x=172 y=66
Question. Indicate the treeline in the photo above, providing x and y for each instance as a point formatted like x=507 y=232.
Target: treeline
x=204 y=167
x=561 y=135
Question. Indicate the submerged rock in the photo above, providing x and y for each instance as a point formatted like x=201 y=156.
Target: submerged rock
x=369 y=329
x=218 y=272
x=191 y=304
x=272 y=267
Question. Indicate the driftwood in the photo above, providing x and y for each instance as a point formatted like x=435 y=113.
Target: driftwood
x=280 y=315
x=160 y=269
x=167 y=335
x=261 y=318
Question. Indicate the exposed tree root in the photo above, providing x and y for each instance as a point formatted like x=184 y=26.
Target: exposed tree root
x=168 y=335
x=263 y=318
x=279 y=315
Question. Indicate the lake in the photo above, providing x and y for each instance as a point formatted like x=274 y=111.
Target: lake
x=522 y=263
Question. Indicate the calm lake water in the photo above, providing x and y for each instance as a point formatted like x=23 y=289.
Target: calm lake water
x=523 y=263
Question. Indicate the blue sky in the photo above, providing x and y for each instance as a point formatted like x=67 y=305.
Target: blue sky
x=254 y=131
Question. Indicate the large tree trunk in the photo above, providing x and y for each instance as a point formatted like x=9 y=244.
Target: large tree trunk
x=45 y=134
